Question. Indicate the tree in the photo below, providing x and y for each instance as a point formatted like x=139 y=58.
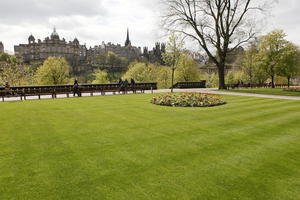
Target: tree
x=110 y=61
x=4 y=57
x=164 y=77
x=145 y=72
x=138 y=72
x=289 y=62
x=271 y=48
x=234 y=77
x=187 y=69
x=14 y=72
x=100 y=77
x=54 y=71
x=211 y=79
x=250 y=63
x=218 y=26
x=173 y=53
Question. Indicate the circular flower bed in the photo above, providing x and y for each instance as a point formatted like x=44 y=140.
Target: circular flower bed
x=188 y=100
x=292 y=89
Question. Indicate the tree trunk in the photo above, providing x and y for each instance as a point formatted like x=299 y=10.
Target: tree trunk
x=289 y=81
x=221 y=72
x=273 y=85
x=173 y=70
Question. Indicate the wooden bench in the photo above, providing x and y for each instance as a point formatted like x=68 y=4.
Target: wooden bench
x=186 y=85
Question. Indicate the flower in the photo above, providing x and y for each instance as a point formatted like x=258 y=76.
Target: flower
x=187 y=99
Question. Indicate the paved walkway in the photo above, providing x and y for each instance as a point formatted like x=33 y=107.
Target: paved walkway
x=209 y=91
x=213 y=91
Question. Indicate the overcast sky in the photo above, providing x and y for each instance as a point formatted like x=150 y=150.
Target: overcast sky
x=94 y=21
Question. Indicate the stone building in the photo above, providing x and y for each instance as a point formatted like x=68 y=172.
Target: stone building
x=38 y=51
x=155 y=55
x=127 y=51
x=1 y=47
x=78 y=56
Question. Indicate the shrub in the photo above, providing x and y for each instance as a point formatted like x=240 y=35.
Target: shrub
x=292 y=89
x=187 y=100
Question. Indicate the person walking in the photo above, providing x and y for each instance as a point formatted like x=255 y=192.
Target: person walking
x=76 y=89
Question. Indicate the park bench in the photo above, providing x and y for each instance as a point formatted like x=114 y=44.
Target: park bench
x=186 y=85
x=10 y=93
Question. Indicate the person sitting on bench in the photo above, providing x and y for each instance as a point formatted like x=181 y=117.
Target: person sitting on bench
x=132 y=82
x=7 y=89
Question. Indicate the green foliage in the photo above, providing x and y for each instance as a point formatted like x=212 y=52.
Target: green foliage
x=187 y=69
x=273 y=56
x=289 y=61
x=163 y=77
x=4 y=57
x=100 y=77
x=14 y=72
x=233 y=77
x=229 y=78
x=212 y=79
x=173 y=53
x=54 y=71
x=173 y=50
x=140 y=72
x=251 y=67
x=271 y=47
x=110 y=60
x=35 y=65
x=187 y=99
x=146 y=72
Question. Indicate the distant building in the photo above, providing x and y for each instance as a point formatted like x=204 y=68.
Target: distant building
x=128 y=51
x=1 y=47
x=155 y=55
x=79 y=57
x=127 y=42
x=38 y=51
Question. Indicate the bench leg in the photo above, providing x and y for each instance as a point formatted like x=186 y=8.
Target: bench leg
x=39 y=97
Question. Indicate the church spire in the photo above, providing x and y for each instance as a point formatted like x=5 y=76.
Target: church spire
x=127 y=42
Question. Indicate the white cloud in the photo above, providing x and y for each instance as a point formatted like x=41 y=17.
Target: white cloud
x=94 y=21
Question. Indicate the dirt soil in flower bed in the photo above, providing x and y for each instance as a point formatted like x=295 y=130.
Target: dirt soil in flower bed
x=189 y=99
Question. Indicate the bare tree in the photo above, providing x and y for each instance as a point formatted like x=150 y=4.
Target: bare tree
x=219 y=26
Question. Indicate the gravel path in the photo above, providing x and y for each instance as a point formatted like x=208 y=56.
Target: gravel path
x=209 y=91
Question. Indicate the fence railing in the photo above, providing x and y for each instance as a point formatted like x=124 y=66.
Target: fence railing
x=54 y=90
x=249 y=86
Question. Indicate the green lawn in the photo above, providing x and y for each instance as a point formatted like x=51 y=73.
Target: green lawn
x=271 y=91
x=124 y=148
